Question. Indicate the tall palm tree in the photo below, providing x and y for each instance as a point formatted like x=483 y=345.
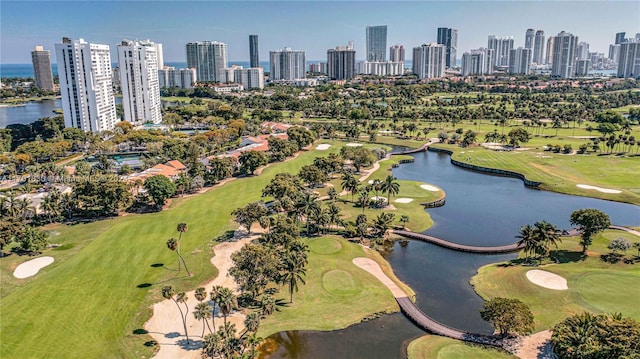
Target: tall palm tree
x=172 y=244
x=227 y=301
x=308 y=206
x=334 y=213
x=182 y=228
x=293 y=273
x=529 y=240
x=547 y=235
x=391 y=187
x=202 y=312
x=251 y=323
x=180 y=298
x=383 y=222
x=214 y=295
x=350 y=184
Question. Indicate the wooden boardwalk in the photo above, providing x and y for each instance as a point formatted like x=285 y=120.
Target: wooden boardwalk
x=509 y=248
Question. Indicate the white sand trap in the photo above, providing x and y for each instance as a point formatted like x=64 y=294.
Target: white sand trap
x=31 y=268
x=323 y=146
x=429 y=187
x=547 y=279
x=403 y=200
x=603 y=190
x=354 y=144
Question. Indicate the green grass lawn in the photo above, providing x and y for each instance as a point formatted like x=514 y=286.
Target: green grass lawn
x=594 y=285
x=97 y=292
x=432 y=346
x=337 y=293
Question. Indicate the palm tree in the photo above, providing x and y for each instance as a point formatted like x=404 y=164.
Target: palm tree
x=404 y=219
x=391 y=187
x=528 y=239
x=251 y=323
x=547 y=235
x=334 y=213
x=227 y=301
x=182 y=228
x=293 y=272
x=268 y=304
x=383 y=222
x=169 y=293
x=202 y=312
x=214 y=295
x=308 y=206
x=172 y=244
x=350 y=184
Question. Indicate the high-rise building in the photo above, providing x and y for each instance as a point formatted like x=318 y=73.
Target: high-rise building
x=449 y=38
x=251 y=78
x=620 y=36
x=386 y=68
x=638 y=36
x=629 y=59
x=582 y=67
x=377 y=43
x=41 y=60
x=160 y=55
x=582 y=51
x=564 y=55
x=341 y=63
x=529 y=38
x=318 y=67
x=396 y=53
x=538 y=48
x=501 y=45
x=287 y=64
x=209 y=58
x=429 y=60
x=614 y=51
x=549 y=59
x=477 y=62
x=172 y=77
x=254 y=57
x=84 y=70
x=520 y=61
x=138 y=64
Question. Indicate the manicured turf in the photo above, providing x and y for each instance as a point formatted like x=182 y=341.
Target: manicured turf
x=432 y=346
x=594 y=285
x=337 y=293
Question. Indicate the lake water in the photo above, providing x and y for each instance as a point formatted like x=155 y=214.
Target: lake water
x=32 y=111
x=481 y=210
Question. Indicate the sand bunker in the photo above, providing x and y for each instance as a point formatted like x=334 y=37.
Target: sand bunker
x=323 y=146
x=375 y=198
x=603 y=190
x=31 y=268
x=354 y=144
x=429 y=187
x=547 y=279
x=403 y=200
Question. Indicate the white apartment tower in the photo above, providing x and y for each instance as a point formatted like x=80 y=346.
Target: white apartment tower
x=538 y=48
x=287 y=64
x=564 y=55
x=209 y=58
x=529 y=39
x=250 y=78
x=429 y=60
x=520 y=61
x=172 y=77
x=396 y=53
x=502 y=46
x=629 y=59
x=138 y=63
x=84 y=70
x=477 y=62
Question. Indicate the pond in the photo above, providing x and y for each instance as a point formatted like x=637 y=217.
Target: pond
x=480 y=209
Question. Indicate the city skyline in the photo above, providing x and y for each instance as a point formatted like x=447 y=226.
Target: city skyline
x=25 y=24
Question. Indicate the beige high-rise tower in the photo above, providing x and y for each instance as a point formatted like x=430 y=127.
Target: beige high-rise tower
x=41 y=60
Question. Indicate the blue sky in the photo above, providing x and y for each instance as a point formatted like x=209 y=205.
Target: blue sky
x=313 y=26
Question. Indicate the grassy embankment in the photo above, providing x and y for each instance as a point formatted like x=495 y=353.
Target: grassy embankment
x=594 y=285
x=107 y=274
x=432 y=346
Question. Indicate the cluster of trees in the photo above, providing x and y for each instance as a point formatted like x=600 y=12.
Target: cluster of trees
x=508 y=316
x=16 y=227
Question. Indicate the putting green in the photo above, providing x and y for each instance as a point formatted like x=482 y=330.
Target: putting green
x=609 y=292
x=340 y=283
x=325 y=245
x=433 y=346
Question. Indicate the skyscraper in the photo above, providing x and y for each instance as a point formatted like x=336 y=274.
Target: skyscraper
x=160 y=55
x=138 y=63
x=564 y=55
x=341 y=63
x=520 y=61
x=582 y=51
x=287 y=64
x=620 y=37
x=429 y=60
x=85 y=85
x=550 y=41
x=449 y=38
x=254 y=57
x=477 y=62
x=251 y=78
x=629 y=59
x=529 y=38
x=209 y=58
x=377 y=43
x=41 y=60
x=501 y=45
x=538 y=48
x=396 y=53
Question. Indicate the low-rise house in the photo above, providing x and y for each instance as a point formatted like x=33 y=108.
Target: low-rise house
x=171 y=170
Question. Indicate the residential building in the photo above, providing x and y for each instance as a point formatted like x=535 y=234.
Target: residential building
x=614 y=52
x=287 y=64
x=386 y=68
x=550 y=42
x=160 y=56
x=620 y=37
x=396 y=53
x=377 y=43
x=250 y=78
x=520 y=61
x=208 y=58
x=538 y=48
x=502 y=46
x=564 y=55
x=529 y=38
x=138 y=64
x=181 y=78
x=477 y=62
x=429 y=60
x=85 y=73
x=254 y=57
x=228 y=88
x=41 y=60
x=582 y=67
x=629 y=59
x=598 y=60
x=449 y=38
x=341 y=63
x=582 y=51
x=320 y=68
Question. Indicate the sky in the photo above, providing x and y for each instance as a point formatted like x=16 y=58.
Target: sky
x=313 y=26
